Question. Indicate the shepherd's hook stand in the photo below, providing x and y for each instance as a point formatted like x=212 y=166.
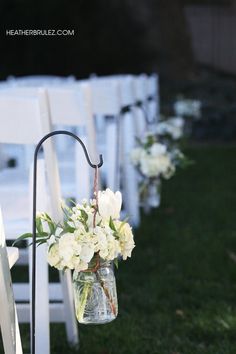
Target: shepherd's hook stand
x=58 y=132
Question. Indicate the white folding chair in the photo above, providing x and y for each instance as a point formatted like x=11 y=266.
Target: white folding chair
x=23 y=156
x=31 y=114
x=8 y=316
x=70 y=106
x=140 y=95
x=153 y=97
x=109 y=98
x=70 y=109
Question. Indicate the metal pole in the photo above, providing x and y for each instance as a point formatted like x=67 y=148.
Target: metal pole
x=58 y=132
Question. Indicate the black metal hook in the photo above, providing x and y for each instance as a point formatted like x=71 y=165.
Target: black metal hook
x=58 y=132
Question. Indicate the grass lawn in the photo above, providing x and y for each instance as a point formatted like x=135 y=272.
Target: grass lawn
x=177 y=295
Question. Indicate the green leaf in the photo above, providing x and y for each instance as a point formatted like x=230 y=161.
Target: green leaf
x=68 y=228
x=71 y=201
x=22 y=237
x=112 y=225
x=116 y=262
x=48 y=218
x=39 y=225
x=38 y=242
x=84 y=215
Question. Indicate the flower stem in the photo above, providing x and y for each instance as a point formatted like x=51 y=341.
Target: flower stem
x=106 y=292
x=83 y=301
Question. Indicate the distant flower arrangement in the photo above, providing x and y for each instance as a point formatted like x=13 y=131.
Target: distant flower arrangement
x=152 y=158
x=184 y=107
x=157 y=156
x=171 y=128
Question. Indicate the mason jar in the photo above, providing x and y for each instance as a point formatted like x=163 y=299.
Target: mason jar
x=154 y=193
x=95 y=294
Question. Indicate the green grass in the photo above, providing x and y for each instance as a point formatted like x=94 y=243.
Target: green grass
x=178 y=292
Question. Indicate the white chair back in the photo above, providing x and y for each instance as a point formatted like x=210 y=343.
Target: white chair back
x=31 y=115
x=153 y=93
x=140 y=94
x=38 y=80
x=25 y=120
x=8 y=316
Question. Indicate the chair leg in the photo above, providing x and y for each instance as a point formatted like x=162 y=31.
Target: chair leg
x=18 y=339
x=42 y=328
x=130 y=180
x=68 y=300
x=8 y=317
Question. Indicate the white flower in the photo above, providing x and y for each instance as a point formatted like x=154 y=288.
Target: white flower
x=101 y=242
x=154 y=166
x=68 y=248
x=113 y=247
x=149 y=166
x=157 y=149
x=53 y=257
x=177 y=122
x=126 y=239
x=188 y=107
x=109 y=204
x=86 y=254
x=172 y=126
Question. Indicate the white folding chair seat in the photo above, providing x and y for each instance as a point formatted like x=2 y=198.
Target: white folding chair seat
x=31 y=114
x=8 y=316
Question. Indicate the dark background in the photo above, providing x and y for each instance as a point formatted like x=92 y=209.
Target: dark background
x=111 y=36
x=189 y=43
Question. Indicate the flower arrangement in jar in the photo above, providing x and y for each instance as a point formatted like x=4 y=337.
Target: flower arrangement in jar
x=88 y=241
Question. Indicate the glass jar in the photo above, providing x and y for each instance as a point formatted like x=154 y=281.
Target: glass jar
x=95 y=294
x=154 y=193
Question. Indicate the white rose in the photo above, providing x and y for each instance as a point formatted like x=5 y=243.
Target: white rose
x=86 y=253
x=109 y=204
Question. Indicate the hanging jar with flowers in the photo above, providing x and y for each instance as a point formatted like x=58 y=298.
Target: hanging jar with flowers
x=153 y=162
x=89 y=241
x=156 y=157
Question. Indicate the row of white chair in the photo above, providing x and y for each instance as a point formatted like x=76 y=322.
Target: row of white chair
x=28 y=112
